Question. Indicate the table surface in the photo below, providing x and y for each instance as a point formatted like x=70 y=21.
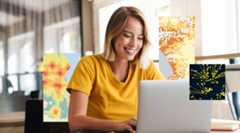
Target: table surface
x=238 y=131
x=19 y=117
x=12 y=118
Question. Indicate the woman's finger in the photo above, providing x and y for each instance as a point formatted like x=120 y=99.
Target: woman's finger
x=132 y=122
x=129 y=128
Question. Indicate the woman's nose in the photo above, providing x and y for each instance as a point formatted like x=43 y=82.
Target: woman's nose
x=133 y=43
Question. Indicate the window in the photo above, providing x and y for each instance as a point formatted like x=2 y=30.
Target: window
x=1 y=59
x=220 y=27
x=63 y=37
x=13 y=84
x=21 y=53
x=1 y=66
x=70 y=42
x=238 y=23
x=21 y=63
x=104 y=16
x=28 y=83
x=237 y=61
x=1 y=85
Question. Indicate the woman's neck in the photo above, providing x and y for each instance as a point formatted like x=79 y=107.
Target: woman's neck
x=120 y=69
x=118 y=63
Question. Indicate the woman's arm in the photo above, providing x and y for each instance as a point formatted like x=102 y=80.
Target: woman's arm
x=79 y=120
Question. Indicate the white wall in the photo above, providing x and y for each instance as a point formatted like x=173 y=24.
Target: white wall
x=219 y=27
x=193 y=8
x=190 y=8
x=97 y=5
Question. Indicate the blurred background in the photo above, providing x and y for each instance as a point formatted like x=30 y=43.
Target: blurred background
x=29 y=29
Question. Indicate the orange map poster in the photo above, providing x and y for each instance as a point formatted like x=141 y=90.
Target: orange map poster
x=176 y=43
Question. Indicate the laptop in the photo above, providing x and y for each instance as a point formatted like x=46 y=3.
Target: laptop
x=164 y=107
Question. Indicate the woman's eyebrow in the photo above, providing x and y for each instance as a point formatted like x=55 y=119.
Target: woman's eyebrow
x=128 y=31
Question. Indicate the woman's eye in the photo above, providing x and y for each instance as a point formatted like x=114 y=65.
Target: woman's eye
x=140 y=38
x=127 y=35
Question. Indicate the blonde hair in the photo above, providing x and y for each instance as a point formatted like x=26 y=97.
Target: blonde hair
x=115 y=27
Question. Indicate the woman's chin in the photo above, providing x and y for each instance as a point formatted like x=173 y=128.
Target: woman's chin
x=131 y=58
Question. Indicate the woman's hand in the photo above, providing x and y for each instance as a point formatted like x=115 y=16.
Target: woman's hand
x=125 y=126
x=77 y=118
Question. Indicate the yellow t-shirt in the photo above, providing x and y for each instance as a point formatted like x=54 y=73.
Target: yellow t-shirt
x=108 y=97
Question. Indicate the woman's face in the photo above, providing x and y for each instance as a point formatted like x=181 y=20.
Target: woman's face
x=130 y=41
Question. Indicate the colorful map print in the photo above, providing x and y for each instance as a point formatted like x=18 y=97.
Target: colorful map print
x=177 y=35
x=207 y=82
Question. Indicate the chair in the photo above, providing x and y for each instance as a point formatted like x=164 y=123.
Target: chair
x=34 y=117
x=34 y=120
x=236 y=104
x=233 y=89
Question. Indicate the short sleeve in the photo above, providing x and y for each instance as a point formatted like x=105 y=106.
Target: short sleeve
x=83 y=76
x=152 y=73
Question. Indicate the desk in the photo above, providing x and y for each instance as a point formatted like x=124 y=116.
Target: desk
x=12 y=119
x=238 y=131
x=229 y=124
x=127 y=132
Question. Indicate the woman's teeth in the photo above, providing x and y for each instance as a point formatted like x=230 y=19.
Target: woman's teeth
x=130 y=51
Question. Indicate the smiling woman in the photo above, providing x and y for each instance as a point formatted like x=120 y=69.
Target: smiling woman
x=104 y=88
x=130 y=40
x=129 y=28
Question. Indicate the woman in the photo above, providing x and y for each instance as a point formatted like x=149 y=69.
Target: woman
x=104 y=87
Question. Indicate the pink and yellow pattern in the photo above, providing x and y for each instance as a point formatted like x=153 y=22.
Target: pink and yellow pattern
x=55 y=97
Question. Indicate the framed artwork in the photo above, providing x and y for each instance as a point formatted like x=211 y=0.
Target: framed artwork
x=177 y=36
x=56 y=71
x=207 y=82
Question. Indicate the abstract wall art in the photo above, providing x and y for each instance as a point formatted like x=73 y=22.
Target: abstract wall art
x=207 y=82
x=56 y=71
